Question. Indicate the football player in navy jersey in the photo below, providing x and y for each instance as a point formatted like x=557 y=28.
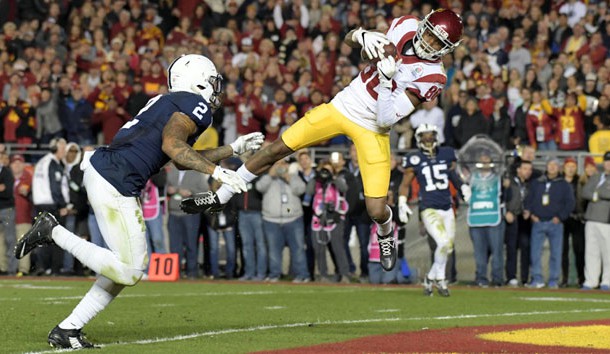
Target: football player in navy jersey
x=434 y=167
x=163 y=130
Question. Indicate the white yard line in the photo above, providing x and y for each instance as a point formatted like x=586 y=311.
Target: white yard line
x=342 y=322
x=225 y=293
x=564 y=299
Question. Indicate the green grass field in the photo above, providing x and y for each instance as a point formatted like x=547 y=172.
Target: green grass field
x=235 y=317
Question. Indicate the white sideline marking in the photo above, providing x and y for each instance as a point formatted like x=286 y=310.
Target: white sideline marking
x=37 y=287
x=388 y=310
x=564 y=299
x=227 y=293
x=274 y=307
x=342 y=322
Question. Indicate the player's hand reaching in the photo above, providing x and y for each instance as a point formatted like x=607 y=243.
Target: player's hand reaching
x=403 y=209
x=466 y=192
x=387 y=68
x=371 y=42
x=230 y=178
x=245 y=143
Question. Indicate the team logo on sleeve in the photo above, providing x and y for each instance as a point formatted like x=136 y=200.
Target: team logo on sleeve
x=417 y=70
x=414 y=160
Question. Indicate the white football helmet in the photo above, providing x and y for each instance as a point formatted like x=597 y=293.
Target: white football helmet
x=427 y=145
x=196 y=74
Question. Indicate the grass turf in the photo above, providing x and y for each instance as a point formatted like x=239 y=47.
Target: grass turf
x=235 y=317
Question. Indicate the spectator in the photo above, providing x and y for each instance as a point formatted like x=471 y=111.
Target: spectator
x=47 y=116
x=77 y=112
x=520 y=134
x=595 y=49
x=430 y=113
x=600 y=140
x=18 y=120
x=517 y=234
x=518 y=57
x=570 y=126
x=472 y=122
x=111 y=120
x=184 y=228
x=137 y=99
x=307 y=174
x=540 y=125
x=47 y=195
x=329 y=209
x=500 y=124
x=485 y=222
x=71 y=159
x=548 y=204
x=574 y=227
x=23 y=205
x=153 y=200
x=597 y=228
x=283 y=220
x=575 y=10
x=223 y=223
x=8 y=263
x=575 y=42
x=356 y=215
x=250 y=223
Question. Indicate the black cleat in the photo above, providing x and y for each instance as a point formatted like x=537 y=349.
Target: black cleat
x=68 y=339
x=387 y=248
x=201 y=202
x=441 y=287
x=38 y=235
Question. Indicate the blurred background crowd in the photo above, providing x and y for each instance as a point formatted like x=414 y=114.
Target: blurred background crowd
x=531 y=74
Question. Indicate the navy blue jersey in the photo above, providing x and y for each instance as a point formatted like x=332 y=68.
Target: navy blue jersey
x=135 y=152
x=433 y=176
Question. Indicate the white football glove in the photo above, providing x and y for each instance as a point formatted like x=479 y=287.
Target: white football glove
x=403 y=209
x=371 y=42
x=387 y=68
x=466 y=192
x=245 y=143
x=230 y=178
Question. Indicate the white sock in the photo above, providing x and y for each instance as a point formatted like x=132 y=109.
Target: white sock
x=385 y=228
x=225 y=192
x=99 y=296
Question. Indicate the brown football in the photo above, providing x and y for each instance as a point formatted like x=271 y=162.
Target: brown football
x=388 y=50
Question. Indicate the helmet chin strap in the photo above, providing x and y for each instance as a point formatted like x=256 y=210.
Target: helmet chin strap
x=430 y=151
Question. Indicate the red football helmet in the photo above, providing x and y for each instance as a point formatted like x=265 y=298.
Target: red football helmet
x=445 y=25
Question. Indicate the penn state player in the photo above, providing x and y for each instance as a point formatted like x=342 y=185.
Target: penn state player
x=163 y=130
x=434 y=167
x=366 y=110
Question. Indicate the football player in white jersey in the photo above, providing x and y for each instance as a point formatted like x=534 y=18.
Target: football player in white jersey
x=365 y=111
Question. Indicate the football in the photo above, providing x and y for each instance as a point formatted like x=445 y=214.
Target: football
x=388 y=50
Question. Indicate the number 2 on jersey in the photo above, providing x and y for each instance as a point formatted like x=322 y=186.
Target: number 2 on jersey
x=436 y=177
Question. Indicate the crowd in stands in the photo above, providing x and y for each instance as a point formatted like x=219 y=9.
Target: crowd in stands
x=533 y=73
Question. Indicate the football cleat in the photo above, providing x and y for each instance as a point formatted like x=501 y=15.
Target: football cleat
x=428 y=284
x=68 y=339
x=387 y=248
x=441 y=287
x=38 y=235
x=201 y=202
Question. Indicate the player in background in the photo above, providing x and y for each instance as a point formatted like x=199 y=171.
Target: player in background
x=163 y=130
x=366 y=110
x=433 y=166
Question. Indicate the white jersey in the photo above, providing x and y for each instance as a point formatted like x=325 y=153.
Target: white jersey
x=424 y=78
